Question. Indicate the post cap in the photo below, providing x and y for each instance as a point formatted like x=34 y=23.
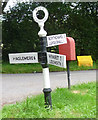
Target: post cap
x=40 y=22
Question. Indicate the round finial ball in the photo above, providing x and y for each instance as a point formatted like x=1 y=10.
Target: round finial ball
x=35 y=14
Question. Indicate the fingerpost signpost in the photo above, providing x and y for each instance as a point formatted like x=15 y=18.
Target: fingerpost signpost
x=43 y=57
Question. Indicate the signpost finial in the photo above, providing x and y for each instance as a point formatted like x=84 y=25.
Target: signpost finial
x=42 y=32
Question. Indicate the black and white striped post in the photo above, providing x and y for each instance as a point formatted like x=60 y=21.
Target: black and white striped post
x=42 y=56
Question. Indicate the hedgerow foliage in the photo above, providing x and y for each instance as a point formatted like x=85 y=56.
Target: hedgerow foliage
x=77 y=20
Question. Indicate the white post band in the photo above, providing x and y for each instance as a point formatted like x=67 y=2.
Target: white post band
x=46 y=78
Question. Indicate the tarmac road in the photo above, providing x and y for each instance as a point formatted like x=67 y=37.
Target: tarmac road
x=16 y=87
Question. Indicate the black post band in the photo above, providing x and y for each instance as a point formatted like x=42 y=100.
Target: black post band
x=47 y=96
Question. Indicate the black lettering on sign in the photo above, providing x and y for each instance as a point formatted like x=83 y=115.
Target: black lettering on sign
x=58 y=63
x=34 y=58
x=55 y=37
x=56 y=57
x=25 y=58
x=55 y=42
x=61 y=58
x=17 y=58
x=14 y=58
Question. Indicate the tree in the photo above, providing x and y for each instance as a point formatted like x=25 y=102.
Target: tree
x=79 y=21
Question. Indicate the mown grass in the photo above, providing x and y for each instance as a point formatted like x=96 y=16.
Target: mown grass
x=79 y=102
x=31 y=68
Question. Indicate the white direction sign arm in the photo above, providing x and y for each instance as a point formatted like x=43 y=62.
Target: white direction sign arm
x=17 y=58
x=54 y=40
x=56 y=59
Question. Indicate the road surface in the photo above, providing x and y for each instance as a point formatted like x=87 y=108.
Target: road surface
x=16 y=87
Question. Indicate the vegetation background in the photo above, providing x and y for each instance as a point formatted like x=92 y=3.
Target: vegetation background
x=77 y=20
x=19 y=32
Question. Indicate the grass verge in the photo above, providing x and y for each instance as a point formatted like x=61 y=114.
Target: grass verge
x=31 y=68
x=79 y=102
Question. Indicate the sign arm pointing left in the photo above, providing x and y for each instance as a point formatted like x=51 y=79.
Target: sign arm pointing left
x=18 y=58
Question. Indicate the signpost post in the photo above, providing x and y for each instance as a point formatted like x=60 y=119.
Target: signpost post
x=43 y=55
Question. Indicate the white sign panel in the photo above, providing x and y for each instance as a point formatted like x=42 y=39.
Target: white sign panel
x=23 y=58
x=56 y=59
x=54 y=40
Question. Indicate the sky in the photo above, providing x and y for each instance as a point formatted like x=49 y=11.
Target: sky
x=11 y=3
